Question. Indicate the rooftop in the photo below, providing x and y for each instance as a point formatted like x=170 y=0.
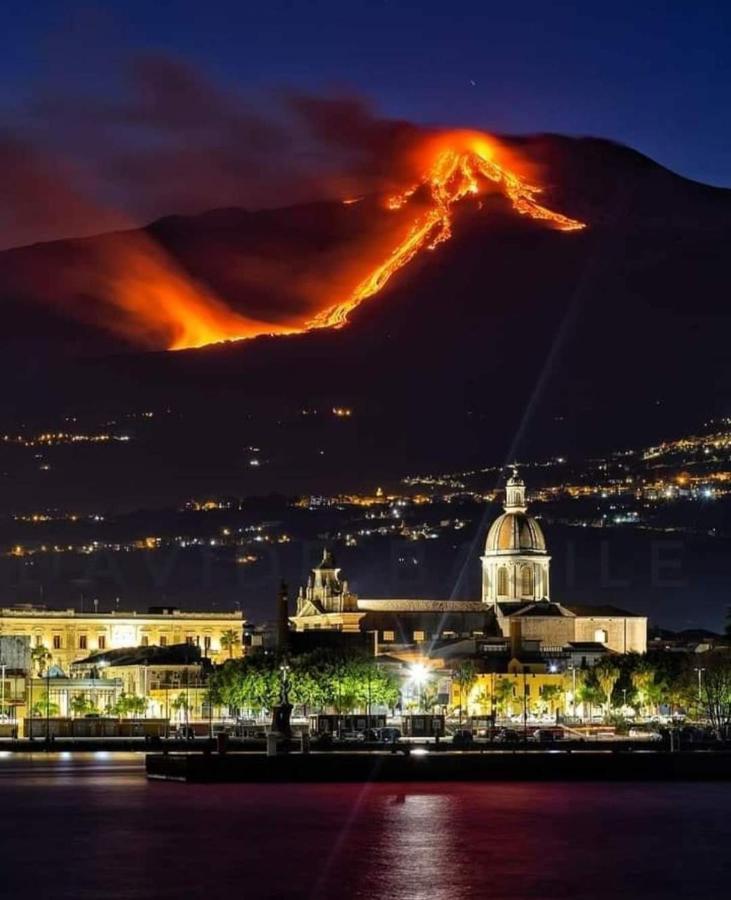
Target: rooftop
x=41 y=612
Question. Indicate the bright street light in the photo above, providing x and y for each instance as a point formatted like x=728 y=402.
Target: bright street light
x=419 y=674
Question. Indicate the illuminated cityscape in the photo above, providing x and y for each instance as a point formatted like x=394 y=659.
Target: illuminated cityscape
x=365 y=451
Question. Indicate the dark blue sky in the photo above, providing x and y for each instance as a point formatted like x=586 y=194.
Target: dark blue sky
x=653 y=75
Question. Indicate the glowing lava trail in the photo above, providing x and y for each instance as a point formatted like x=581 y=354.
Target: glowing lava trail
x=455 y=164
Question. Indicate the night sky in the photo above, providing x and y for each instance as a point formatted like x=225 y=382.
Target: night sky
x=654 y=75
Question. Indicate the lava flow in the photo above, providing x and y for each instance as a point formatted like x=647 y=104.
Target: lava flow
x=454 y=165
x=135 y=288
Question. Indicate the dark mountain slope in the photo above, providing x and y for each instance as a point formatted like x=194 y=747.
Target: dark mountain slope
x=508 y=340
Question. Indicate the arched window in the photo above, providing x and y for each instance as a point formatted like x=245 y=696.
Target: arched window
x=601 y=636
x=502 y=582
x=527 y=579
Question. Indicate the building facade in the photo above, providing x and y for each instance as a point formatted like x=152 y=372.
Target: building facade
x=69 y=636
x=516 y=601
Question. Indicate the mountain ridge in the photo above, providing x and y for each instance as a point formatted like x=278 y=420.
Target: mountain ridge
x=507 y=340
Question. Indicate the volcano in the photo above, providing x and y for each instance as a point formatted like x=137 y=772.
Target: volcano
x=511 y=339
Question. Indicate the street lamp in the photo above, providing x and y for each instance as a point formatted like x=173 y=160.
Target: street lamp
x=419 y=674
x=284 y=671
x=368 y=711
x=700 y=672
x=2 y=689
x=572 y=669
x=48 y=703
x=525 y=706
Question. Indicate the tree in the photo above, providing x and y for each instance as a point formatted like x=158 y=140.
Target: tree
x=588 y=691
x=129 y=705
x=607 y=672
x=324 y=678
x=229 y=641
x=503 y=694
x=646 y=694
x=481 y=699
x=45 y=707
x=551 y=696
x=250 y=683
x=464 y=675
x=80 y=705
x=716 y=690
x=181 y=705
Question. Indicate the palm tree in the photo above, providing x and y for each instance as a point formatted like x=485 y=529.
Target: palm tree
x=607 y=672
x=181 y=705
x=229 y=640
x=551 y=694
x=464 y=675
x=503 y=693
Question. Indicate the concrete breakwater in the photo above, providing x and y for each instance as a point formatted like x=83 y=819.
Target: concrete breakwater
x=421 y=765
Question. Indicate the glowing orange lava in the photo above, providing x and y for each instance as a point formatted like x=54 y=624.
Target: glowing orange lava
x=453 y=166
x=157 y=299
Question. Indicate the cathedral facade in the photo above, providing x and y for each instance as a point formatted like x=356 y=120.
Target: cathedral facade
x=516 y=600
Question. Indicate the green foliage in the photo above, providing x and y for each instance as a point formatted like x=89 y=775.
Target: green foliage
x=503 y=694
x=607 y=673
x=588 y=690
x=80 y=705
x=715 y=690
x=229 y=640
x=181 y=703
x=551 y=694
x=250 y=683
x=465 y=675
x=323 y=678
x=43 y=707
x=128 y=705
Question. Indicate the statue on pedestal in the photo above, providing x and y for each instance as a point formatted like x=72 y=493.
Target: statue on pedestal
x=283 y=710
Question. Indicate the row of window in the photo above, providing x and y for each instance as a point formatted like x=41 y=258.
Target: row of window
x=101 y=641
x=57 y=642
x=195 y=640
x=390 y=636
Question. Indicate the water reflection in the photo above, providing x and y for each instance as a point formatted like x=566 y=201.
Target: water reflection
x=106 y=831
x=417 y=853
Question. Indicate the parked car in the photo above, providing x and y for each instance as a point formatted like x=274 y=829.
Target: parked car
x=506 y=735
x=185 y=733
x=462 y=738
x=644 y=734
x=389 y=734
x=547 y=735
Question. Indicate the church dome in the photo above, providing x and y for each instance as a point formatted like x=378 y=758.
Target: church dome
x=515 y=532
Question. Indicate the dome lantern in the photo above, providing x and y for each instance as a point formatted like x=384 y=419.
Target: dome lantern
x=515 y=494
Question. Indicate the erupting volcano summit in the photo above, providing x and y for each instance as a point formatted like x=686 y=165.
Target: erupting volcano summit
x=447 y=168
x=455 y=165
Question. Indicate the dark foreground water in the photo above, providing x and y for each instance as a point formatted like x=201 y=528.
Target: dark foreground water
x=93 y=827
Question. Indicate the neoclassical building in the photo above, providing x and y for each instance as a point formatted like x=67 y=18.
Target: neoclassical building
x=516 y=599
x=69 y=635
